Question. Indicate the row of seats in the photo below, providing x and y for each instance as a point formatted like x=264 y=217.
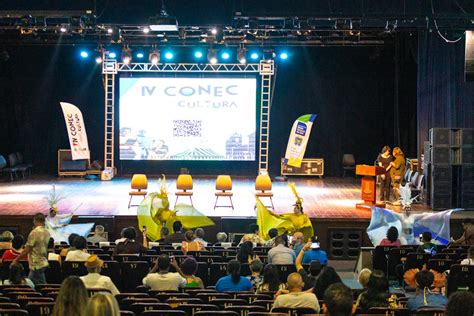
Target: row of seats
x=15 y=164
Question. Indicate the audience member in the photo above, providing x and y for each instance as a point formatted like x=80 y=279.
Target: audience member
x=6 y=240
x=427 y=246
x=17 y=276
x=312 y=251
x=467 y=237
x=469 y=261
x=309 y=279
x=122 y=237
x=72 y=298
x=397 y=171
x=200 y=236
x=17 y=245
x=253 y=236
x=245 y=253
x=189 y=268
x=130 y=246
x=37 y=250
x=160 y=279
x=70 y=241
x=424 y=297
x=271 y=280
x=338 y=300
x=296 y=298
x=327 y=277
x=80 y=252
x=177 y=236
x=297 y=242
x=52 y=256
x=363 y=277
x=221 y=237
x=255 y=278
x=102 y=304
x=99 y=235
x=93 y=279
x=460 y=303
x=233 y=281
x=280 y=254
x=377 y=294
x=164 y=233
x=190 y=244
x=392 y=238
x=272 y=233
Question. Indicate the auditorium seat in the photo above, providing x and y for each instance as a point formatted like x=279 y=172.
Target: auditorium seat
x=40 y=308
x=216 y=271
x=203 y=272
x=15 y=295
x=13 y=312
x=294 y=311
x=284 y=270
x=245 y=309
x=395 y=257
x=9 y=305
x=4 y=299
x=380 y=258
x=122 y=296
x=416 y=260
x=112 y=270
x=133 y=273
x=250 y=297
x=163 y=313
x=139 y=308
x=265 y=303
x=439 y=265
x=127 y=257
x=216 y=313
x=207 y=297
x=53 y=273
x=461 y=277
x=274 y=314
x=126 y=313
x=226 y=302
x=23 y=301
x=4 y=169
x=175 y=302
x=210 y=259
x=163 y=296
x=429 y=311
x=191 y=309
x=127 y=302
x=73 y=268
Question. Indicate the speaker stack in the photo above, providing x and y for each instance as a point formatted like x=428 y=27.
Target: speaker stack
x=449 y=166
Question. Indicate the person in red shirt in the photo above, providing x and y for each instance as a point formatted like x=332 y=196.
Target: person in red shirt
x=17 y=245
x=392 y=238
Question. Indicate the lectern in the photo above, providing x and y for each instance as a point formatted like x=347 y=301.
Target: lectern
x=368 y=185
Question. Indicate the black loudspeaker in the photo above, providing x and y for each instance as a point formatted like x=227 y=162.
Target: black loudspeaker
x=441 y=173
x=426 y=153
x=467 y=155
x=468 y=137
x=467 y=173
x=441 y=195
x=440 y=155
x=345 y=243
x=467 y=200
x=440 y=136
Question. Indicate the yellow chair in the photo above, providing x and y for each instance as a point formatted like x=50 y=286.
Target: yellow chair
x=139 y=185
x=263 y=186
x=223 y=187
x=184 y=183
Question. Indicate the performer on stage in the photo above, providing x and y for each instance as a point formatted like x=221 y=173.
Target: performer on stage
x=397 y=170
x=383 y=160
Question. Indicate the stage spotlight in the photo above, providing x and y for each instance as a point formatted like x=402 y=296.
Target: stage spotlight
x=140 y=55
x=112 y=55
x=198 y=54
x=283 y=55
x=214 y=31
x=98 y=59
x=146 y=30
x=154 y=57
x=64 y=28
x=169 y=55
x=110 y=30
x=225 y=55
x=254 y=56
x=126 y=55
x=241 y=56
x=212 y=56
x=84 y=54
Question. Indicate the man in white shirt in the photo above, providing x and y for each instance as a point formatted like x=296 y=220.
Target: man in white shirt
x=163 y=280
x=93 y=280
x=280 y=254
x=79 y=254
x=296 y=298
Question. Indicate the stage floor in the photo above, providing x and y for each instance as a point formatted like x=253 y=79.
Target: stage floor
x=333 y=198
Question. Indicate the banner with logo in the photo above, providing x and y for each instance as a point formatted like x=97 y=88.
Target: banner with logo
x=298 y=140
x=76 y=131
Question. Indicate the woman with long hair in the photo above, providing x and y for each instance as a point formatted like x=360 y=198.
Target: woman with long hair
x=18 y=277
x=327 y=277
x=102 y=304
x=245 y=253
x=271 y=280
x=397 y=171
x=233 y=281
x=72 y=298
x=383 y=160
x=377 y=294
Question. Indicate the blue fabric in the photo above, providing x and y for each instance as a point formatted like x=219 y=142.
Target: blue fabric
x=297 y=249
x=433 y=300
x=226 y=284
x=312 y=255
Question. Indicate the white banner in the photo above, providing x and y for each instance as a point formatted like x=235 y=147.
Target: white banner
x=76 y=130
x=298 y=140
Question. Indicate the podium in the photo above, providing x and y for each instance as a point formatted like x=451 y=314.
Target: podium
x=368 y=186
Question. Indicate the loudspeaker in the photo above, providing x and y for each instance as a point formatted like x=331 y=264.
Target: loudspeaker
x=440 y=136
x=468 y=136
x=467 y=173
x=345 y=243
x=441 y=173
x=467 y=200
x=440 y=155
x=426 y=153
x=467 y=155
x=441 y=195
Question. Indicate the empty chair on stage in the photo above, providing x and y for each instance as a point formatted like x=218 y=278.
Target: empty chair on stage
x=224 y=188
x=139 y=186
x=348 y=163
x=185 y=185
x=263 y=186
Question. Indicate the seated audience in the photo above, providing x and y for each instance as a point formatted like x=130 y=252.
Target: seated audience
x=272 y=233
x=200 y=236
x=178 y=236
x=281 y=254
x=17 y=276
x=189 y=268
x=271 y=280
x=296 y=298
x=253 y=236
x=245 y=253
x=460 y=303
x=312 y=251
x=52 y=256
x=427 y=246
x=72 y=298
x=327 y=277
x=190 y=244
x=467 y=237
x=309 y=279
x=99 y=235
x=70 y=241
x=80 y=252
x=17 y=245
x=377 y=294
x=221 y=237
x=93 y=279
x=469 y=261
x=122 y=237
x=338 y=301
x=392 y=238
x=363 y=277
x=233 y=281
x=255 y=278
x=164 y=233
x=424 y=297
x=297 y=242
x=129 y=245
x=102 y=304
x=6 y=240
x=160 y=279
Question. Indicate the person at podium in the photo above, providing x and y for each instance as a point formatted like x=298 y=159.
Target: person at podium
x=397 y=170
x=383 y=160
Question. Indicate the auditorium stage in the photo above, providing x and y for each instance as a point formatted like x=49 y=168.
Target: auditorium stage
x=328 y=198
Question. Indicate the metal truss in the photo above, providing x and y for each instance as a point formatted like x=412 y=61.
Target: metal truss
x=148 y=67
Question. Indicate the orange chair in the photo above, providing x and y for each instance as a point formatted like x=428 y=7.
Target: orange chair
x=185 y=184
x=223 y=187
x=263 y=186
x=139 y=185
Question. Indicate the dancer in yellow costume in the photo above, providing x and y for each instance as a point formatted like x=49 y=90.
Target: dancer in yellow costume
x=154 y=213
x=290 y=223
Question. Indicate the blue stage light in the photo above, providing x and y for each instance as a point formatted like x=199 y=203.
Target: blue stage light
x=198 y=54
x=84 y=54
x=283 y=55
x=140 y=55
x=169 y=55
x=254 y=56
x=225 y=55
x=112 y=55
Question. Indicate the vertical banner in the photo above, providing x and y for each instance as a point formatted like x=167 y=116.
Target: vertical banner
x=76 y=131
x=298 y=140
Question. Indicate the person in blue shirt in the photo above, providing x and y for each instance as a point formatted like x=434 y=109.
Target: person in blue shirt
x=424 y=297
x=233 y=281
x=312 y=252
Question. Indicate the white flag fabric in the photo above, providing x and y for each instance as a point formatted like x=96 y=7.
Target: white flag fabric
x=76 y=130
x=298 y=140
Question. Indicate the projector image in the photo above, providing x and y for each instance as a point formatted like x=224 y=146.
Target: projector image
x=163 y=23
